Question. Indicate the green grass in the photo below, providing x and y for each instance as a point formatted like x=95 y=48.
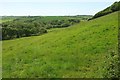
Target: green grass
x=8 y=18
x=5 y=20
x=0 y=60
x=49 y=18
x=85 y=50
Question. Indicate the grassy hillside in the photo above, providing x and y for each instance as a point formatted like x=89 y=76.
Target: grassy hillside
x=85 y=50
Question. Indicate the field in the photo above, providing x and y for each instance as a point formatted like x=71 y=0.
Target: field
x=88 y=49
x=43 y=18
x=8 y=18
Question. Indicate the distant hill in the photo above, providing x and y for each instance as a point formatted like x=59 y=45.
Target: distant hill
x=114 y=7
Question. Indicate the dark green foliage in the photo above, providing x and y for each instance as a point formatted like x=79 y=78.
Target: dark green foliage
x=114 y=7
x=33 y=25
x=12 y=30
x=62 y=23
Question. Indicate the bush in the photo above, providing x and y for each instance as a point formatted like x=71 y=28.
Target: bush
x=114 y=7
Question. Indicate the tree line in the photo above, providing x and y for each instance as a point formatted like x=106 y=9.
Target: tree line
x=29 y=26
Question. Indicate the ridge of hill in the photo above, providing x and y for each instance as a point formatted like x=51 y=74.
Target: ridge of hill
x=113 y=8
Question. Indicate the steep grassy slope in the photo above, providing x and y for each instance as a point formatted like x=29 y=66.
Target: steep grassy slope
x=88 y=50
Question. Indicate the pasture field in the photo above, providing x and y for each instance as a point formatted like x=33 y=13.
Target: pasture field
x=88 y=49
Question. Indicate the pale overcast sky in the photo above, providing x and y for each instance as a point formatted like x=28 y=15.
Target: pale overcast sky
x=52 y=7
